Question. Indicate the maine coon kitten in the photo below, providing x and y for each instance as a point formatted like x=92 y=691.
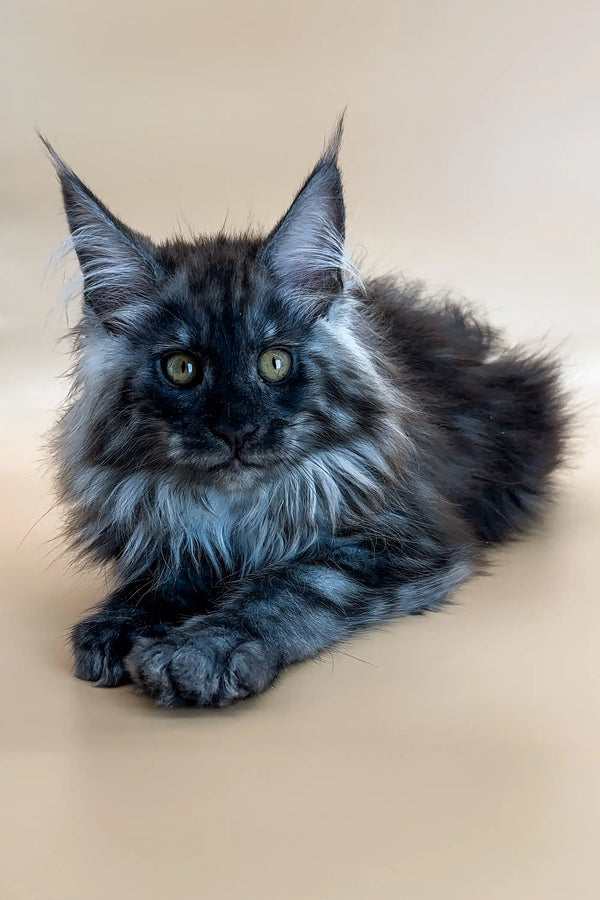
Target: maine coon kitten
x=272 y=454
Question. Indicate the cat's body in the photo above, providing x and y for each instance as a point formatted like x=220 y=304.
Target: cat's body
x=255 y=517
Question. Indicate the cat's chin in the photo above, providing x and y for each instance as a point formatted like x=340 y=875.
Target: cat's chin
x=235 y=475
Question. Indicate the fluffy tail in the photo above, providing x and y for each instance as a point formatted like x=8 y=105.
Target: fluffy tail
x=523 y=434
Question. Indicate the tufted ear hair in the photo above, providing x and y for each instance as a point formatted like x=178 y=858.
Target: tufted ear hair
x=118 y=265
x=305 y=251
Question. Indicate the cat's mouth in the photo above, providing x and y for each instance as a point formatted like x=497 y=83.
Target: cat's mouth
x=234 y=464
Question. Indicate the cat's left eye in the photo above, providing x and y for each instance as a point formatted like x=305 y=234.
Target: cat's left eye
x=274 y=364
x=181 y=369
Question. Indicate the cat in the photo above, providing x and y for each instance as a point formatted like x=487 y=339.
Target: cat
x=272 y=454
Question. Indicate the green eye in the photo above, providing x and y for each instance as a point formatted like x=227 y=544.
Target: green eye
x=181 y=369
x=274 y=364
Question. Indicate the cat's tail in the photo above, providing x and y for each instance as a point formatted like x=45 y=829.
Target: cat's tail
x=524 y=429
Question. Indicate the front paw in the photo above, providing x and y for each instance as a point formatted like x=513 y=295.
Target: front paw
x=99 y=647
x=215 y=666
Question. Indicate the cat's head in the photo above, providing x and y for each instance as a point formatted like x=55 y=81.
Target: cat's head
x=225 y=361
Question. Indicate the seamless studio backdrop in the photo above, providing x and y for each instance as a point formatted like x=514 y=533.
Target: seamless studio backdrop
x=447 y=756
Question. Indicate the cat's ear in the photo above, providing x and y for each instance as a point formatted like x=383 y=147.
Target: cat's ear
x=305 y=250
x=118 y=265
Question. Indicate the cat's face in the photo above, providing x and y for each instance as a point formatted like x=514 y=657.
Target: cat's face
x=224 y=362
x=226 y=368
x=227 y=381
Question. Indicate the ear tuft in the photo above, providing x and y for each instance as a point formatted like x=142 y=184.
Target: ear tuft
x=118 y=265
x=332 y=148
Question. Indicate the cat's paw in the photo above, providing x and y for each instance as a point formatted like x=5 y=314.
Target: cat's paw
x=213 y=667
x=99 y=648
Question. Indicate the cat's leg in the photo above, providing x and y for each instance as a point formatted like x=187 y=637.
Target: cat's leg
x=279 y=618
x=101 y=641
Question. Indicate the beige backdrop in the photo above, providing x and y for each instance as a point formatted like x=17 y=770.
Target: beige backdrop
x=453 y=756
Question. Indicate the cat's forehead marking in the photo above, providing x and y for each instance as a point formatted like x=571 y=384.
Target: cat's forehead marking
x=184 y=334
x=222 y=297
x=270 y=331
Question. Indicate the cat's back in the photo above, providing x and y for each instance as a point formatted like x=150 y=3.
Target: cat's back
x=429 y=337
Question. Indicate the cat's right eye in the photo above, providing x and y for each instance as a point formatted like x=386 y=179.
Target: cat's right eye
x=181 y=369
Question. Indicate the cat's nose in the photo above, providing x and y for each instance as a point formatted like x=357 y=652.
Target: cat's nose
x=235 y=437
